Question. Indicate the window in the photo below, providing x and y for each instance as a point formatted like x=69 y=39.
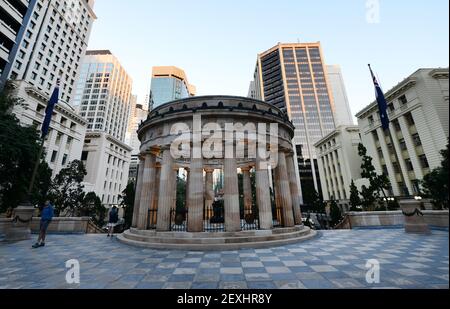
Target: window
x=64 y=160
x=409 y=119
x=397 y=126
x=380 y=152
x=424 y=162
x=391 y=107
x=371 y=120
x=403 y=100
x=402 y=144
x=416 y=139
x=54 y=154
x=409 y=165
x=396 y=167
x=84 y=155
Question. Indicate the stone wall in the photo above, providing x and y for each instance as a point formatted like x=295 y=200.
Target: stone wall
x=433 y=218
x=81 y=225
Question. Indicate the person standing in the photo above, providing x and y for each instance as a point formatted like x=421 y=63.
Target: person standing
x=46 y=218
x=113 y=219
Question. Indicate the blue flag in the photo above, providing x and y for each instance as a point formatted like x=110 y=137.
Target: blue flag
x=49 y=110
x=382 y=104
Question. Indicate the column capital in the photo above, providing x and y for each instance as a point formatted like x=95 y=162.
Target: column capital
x=209 y=170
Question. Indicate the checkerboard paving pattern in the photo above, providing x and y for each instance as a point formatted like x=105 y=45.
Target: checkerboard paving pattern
x=334 y=260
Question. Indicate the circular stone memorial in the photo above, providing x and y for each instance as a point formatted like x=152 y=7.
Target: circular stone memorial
x=187 y=191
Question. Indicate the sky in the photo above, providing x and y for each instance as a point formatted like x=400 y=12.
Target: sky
x=217 y=42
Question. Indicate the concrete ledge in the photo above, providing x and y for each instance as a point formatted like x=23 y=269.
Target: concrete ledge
x=434 y=218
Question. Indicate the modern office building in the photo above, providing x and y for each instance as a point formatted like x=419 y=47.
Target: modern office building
x=418 y=108
x=293 y=77
x=169 y=83
x=64 y=142
x=103 y=94
x=41 y=41
x=342 y=112
x=103 y=98
x=339 y=163
x=50 y=39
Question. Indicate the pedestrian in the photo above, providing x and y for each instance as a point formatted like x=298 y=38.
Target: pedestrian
x=113 y=219
x=47 y=214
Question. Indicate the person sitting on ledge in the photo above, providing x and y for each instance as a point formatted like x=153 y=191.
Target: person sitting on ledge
x=46 y=217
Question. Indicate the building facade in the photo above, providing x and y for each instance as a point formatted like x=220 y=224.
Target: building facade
x=107 y=162
x=50 y=42
x=103 y=94
x=64 y=142
x=418 y=109
x=293 y=77
x=339 y=163
x=168 y=84
x=342 y=112
x=103 y=97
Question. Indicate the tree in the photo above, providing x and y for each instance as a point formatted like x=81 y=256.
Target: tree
x=19 y=149
x=435 y=184
x=92 y=207
x=378 y=183
x=67 y=191
x=127 y=202
x=335 y=213
x=355 y=200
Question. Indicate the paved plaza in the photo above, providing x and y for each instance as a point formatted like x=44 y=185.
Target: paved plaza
x=333 y=260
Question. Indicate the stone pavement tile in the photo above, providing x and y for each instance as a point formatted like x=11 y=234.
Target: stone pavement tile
x=347 y=283
x=281 y=277
x=231 y=270
x=156 y=278
x=269 y=259
x=230 y=264
x=205 y=285
x=278 y=270
x=335 y=275
x=207 y=278
x=181 y=278
x=318 y=284
x=257 y=277
x=232 y=278
x=285 y=285
x=304 y=269
x=168 y=265
x=209 y=265
x=415 y=265
x=255 y=270
x=261 y=285
x=208 y=271
x=252 y=264
x=310 y=275
x=192 y=260
x=188 y=265
x=177 y=285
x=233 y=285
x=294 y=263
x=323 y=268
x=149 y=285
x=185 y=271
x=273 y=264
x=337 y=262
x=409 y=272
x=121 y=285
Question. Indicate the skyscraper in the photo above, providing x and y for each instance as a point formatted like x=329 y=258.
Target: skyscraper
x=103 y=98
x=342 y=113
x=139 y=114
x=168 y=84
x=293 y=77
x=41 y=41
x=50 y=40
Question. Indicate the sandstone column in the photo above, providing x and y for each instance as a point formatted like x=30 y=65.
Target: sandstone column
x=138 y=190
x=147 y=190
x=231 y=198
x=154 y=204
x=284 y=191
x=247 y=187
x=263 y=196
x=165 y=198
x=195 y=210
x=209 y=193
x=296 y=201
x=187 y=188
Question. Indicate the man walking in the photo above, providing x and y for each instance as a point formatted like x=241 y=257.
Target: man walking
x=46 y=217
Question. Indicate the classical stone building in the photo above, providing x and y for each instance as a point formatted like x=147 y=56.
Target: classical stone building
x=201 y=135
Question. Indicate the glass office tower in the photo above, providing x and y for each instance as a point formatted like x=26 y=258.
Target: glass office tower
x=169 y=84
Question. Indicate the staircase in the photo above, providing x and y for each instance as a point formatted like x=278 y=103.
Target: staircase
x=216 y=241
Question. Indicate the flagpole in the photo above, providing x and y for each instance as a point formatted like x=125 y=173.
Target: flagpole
x=395 y=150
x=35 y=170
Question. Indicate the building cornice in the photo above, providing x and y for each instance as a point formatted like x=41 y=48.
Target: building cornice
x=439 y=73
x=340 y=129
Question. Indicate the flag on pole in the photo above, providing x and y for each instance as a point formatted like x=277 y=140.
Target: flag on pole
x=49 y=110
x=382 y=104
